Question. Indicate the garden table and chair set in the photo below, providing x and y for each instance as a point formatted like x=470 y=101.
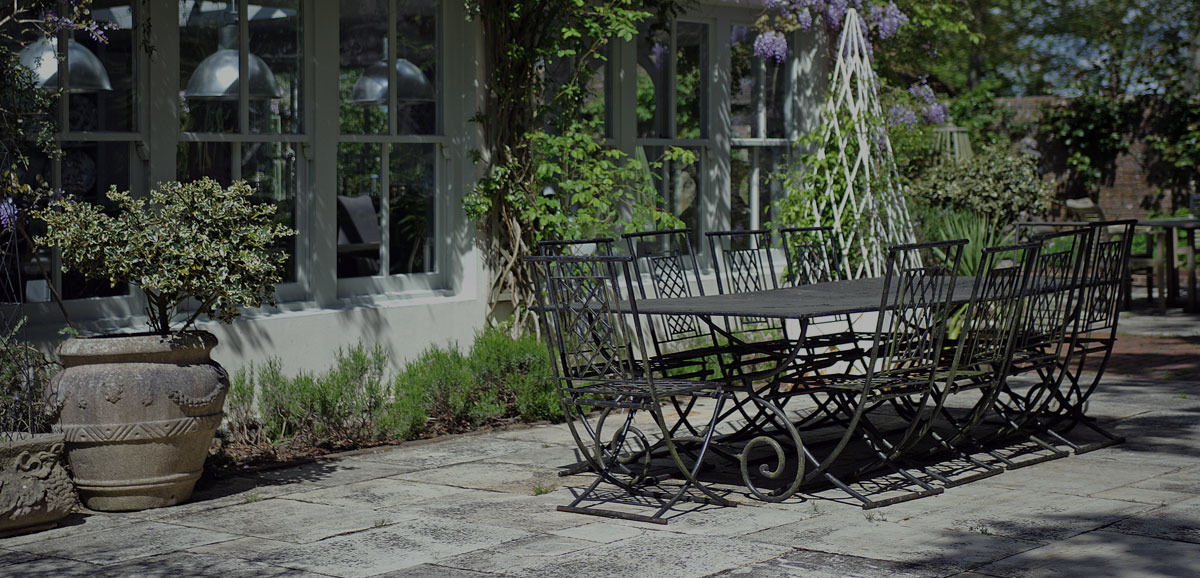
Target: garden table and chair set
x=790 y=376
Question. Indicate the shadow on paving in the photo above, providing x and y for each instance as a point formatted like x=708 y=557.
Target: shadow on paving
x=1135 y=547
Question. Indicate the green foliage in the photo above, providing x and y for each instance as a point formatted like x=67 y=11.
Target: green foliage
x=192 y=240
x=24 y=375
x=518 y=368
x=1175 y=141
x=447 y=388
x=980 y=231
x=996 y=182
x=582 y=189
x=1092 y=130
x=987 y=122
x=354 y=403
x=347 y=405
x=536 y=128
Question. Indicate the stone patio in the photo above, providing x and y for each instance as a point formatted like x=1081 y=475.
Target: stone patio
x=484 y=505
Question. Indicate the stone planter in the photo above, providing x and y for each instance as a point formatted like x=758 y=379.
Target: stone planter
x=138 y=414
x=35 y=490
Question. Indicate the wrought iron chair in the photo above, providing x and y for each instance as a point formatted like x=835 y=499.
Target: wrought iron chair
x=744 y=262
x=596 y=342
x=813 y=257
x=904 y=361
x=1092 y=337
x=665 y=267
x=1042 y=340
x=981 y=338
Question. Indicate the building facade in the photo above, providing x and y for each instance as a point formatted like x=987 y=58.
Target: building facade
x=356 y=124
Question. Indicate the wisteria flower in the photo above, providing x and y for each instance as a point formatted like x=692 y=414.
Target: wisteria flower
x=899 y=115
x=771 y=44
x=888 y=19
x=8 y=213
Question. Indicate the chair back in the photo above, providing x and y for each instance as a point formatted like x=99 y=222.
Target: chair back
x=987 y=325
x=665 y=267
x=595 y=347
x=743 y=260
x=1102 y=287
x=577 y=248
x=913 y=314
x=1054 y=296
x=812 y=256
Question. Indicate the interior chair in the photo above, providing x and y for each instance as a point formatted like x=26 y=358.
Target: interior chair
x=359 y=236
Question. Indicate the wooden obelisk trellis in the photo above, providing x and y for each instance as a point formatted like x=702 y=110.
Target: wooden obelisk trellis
x=865 y=206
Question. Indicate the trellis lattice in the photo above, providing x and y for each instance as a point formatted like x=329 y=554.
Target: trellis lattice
x=865 y=205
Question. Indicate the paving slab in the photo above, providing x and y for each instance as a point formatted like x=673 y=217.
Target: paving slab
x=394 y=547
x=288 y=520
x=196 y=565
x=654 y=554
x=1030 y=515
x=1143 y=495
x=434 y=571
x=1102 y=553
x=811 y=564
x=248 y=548
x=1179 y=522
x=1077 y=477
x=450 y=452
x=125 y=543
x=944 y=550
x=327 y=472
x=75 y=524
x=392 y=494
x=1184 y=480
x=488 y=475
x=50 y=567
x=533 y=513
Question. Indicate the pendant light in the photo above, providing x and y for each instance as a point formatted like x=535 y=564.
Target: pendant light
x=85 y=72
x=372 y=87
x=217 y=76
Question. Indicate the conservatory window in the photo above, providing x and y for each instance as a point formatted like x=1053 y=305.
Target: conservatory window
x=388 y=154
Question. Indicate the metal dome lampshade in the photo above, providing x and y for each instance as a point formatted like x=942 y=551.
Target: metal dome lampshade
x=372 y=87
x=217 y=76
x=85 y=71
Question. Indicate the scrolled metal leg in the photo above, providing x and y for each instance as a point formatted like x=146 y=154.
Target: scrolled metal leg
x=749 y=472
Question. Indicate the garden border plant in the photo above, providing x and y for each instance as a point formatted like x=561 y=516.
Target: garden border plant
x=353 y=404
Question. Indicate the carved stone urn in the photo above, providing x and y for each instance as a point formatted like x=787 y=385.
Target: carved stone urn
x=35 y=490
x=138 y=414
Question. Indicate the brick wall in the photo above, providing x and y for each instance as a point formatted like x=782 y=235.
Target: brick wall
x=1125 y=193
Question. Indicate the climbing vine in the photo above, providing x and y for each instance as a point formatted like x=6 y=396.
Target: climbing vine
x=546 y=172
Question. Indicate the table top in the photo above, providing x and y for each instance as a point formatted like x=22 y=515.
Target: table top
x=808 y=301
x=1176 y=222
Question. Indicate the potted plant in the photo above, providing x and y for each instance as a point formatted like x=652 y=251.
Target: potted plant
x=35 y=490
x=139 y=410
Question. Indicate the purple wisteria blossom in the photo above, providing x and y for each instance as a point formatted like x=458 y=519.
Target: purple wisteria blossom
x=933 y=111
x=899 y=115
x=8 y=213
x=885 y=19
x=771 y=44
x=888 y=19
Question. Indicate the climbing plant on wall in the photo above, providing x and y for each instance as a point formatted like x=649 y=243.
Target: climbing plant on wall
x=545 y=171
